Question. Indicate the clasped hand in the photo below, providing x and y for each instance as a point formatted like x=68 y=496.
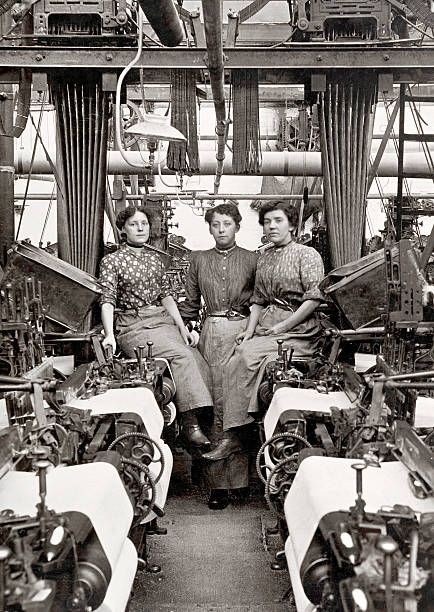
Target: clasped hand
x=191 y=338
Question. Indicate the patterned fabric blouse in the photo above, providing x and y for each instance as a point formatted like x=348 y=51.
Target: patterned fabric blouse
x=225 y=279
x=291 y=272
x=132 y=279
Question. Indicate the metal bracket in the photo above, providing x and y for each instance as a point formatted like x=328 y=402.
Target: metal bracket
x=232 y=30
x=417 y=458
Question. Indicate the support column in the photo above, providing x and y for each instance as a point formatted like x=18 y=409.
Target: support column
x=7 y=172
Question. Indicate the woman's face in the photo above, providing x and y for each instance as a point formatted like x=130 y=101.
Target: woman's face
x=277 y=227
x=137 y=229
x=223 y=229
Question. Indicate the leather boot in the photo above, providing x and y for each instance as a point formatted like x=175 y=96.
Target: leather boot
x=191 y=430
x=229 y=444
x=218 y=499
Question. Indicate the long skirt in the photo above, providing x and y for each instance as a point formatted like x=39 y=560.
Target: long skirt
x=190 y=370
x=246 y=366
x=217 y=341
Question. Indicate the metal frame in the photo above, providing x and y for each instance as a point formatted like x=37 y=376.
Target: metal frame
x=416 y=62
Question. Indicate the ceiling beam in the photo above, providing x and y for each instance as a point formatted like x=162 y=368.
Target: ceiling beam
x=414 y=61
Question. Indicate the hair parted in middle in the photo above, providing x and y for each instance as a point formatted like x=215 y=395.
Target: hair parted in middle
x=229 y=208
x=152 y=217
x=290 y=211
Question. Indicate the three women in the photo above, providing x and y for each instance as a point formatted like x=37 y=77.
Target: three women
x=246 y=313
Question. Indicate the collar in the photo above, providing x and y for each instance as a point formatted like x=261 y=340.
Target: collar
x=284 y=246
x=225 y=251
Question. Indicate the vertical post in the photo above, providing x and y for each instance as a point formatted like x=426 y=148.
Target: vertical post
x=7 y=172
x=401 y=144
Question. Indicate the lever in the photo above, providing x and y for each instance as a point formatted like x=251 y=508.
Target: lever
x=139 y=351
x=109 y=353
x=5 y=553
x=285 y=359
x=42 y=465
x=388 y=547
x=359 y=507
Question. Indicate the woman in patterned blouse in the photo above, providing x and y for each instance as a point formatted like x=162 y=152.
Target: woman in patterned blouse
x=285 y=297
x=223 y=277
x=137 y=304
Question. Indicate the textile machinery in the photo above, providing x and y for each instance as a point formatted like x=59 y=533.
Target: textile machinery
x=373 y=554
x=59 y=550
x=98 y=432
x=321 y=423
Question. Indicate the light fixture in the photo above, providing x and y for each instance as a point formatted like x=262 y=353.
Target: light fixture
x=155 y=127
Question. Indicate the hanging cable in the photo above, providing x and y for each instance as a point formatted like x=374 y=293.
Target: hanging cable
x=29 y=175
x=122 y=76
x=50 y=204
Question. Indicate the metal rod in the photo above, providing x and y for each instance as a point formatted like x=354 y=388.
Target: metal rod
x=214 y=42
x=189 y=195
x=401 y=144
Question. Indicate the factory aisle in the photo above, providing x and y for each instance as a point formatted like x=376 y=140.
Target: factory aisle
x=212 y=561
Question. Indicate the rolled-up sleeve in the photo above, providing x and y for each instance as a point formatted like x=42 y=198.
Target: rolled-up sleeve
x=258 y=296
x=165 y=285
x=108 y=278
x=312 y=273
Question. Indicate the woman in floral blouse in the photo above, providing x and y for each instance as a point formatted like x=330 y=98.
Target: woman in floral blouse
x=136 y=304
x=284 y=300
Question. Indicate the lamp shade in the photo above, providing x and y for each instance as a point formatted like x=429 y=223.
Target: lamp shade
x=155 y=127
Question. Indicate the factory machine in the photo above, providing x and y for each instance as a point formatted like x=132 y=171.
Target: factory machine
x=327 y=427
x=97 y=432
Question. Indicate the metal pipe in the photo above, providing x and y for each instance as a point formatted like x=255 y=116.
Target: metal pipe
x=7 y=217
x=165 y=21
x=279 y=163
x=192 y=195
x=215 y=62
x=400 y=168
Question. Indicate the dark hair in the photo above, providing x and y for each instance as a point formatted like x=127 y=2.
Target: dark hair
x=290 y=211
x=229 y=208
x=130 y=211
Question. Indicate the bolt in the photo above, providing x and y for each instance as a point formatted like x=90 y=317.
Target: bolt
x=38 y=57
x=386 y=57
x=109 y=57
x=319 y=58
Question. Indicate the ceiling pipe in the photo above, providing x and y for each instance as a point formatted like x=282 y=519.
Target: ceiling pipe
x=215 y=62
x=282 y=163
x=165 y=21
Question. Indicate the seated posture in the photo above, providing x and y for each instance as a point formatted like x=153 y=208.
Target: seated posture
x=136 y=303
x=285 y=297
x=223 y=277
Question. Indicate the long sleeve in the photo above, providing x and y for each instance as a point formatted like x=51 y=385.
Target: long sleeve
x=190 y=307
